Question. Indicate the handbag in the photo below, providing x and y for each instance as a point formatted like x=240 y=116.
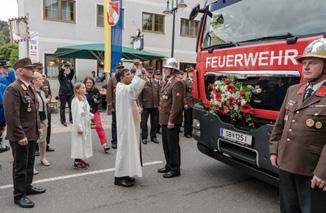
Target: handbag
x=42 y=115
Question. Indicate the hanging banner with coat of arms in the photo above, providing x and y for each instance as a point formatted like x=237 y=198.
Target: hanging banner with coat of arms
x=113 y=12
x=112 y=34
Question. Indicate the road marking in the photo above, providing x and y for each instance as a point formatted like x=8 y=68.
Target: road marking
x=78 y=175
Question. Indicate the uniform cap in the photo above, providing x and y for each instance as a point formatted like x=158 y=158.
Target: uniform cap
x=3 y=63
x=316 y=49
x=171 y=63
x=24 y=63
x=38 y=65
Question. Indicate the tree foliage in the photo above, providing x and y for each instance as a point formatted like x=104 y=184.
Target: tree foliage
x=8 y=51
x=4 y=33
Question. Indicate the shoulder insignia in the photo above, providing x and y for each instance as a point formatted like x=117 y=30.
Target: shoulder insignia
x=23 y=86
x=302 y=89
x=321 y=91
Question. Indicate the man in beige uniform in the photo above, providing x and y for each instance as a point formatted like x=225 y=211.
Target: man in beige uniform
x=298 y=141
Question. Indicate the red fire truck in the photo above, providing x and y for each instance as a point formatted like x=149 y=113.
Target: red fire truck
x=258 y=43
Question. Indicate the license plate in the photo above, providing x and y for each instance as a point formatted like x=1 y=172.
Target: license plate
x=236 y=137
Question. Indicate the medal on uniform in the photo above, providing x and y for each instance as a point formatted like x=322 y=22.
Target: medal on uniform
x=310 y=122
x=318 y=125
x=29 y=109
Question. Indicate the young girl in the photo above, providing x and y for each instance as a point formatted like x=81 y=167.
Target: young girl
x=81 y=139
x=94 y=99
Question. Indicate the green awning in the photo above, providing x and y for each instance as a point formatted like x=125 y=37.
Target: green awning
x=96 y=51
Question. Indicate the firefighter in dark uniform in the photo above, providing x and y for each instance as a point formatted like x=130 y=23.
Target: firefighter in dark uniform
x=110 y=99
x=46 y=88
x=297 y=144
x=149 y=102
x=171 y=106
x=159 y=80
x=188 y=103
x=23 y=128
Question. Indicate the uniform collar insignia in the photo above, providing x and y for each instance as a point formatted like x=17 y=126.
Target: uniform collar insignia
x=302 y=89
x=23 y=86
x=321 y=91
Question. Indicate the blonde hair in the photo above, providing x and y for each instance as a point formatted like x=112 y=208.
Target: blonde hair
x=36 y=76
x=77 y=86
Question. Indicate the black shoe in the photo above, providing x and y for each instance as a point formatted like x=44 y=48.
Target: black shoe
x=35 y=191
x=114 y=146
x=4 y=149
x=154 y=140
x=131 y=179
x=163 y=170
x=64 y=123
x=188 y=136
x=37 y=153
x=71 y=122
x=24 y=202
x=144 y=141
x=49 y=149
x=123 y=182
x=171 y=174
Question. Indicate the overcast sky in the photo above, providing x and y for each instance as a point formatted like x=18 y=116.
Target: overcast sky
x=8 y=9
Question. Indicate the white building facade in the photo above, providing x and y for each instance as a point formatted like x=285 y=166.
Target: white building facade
x=60 y=23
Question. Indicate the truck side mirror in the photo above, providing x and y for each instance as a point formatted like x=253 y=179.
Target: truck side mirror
x=194 y=12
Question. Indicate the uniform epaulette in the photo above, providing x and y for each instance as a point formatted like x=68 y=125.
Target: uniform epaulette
x=321 y=91
x=23 y=86
x=302 y=89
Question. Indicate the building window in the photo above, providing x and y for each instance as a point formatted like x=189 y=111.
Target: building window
x=189 y=28
x=100 y=16
x=53 y=64
x=153 y=23
x=59 y=10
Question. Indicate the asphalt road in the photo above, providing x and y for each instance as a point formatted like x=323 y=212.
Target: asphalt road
x=205 y=185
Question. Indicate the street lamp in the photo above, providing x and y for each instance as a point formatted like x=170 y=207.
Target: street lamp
x=175 y=5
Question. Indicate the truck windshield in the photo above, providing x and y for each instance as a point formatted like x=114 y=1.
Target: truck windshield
x=249 y=20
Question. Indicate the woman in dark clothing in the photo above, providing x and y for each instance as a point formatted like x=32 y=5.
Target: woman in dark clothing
x=94 y=99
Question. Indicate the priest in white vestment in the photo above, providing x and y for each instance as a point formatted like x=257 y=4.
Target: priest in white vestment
x=127 y=163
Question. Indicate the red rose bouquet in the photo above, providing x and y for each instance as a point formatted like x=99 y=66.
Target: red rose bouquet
x=232 y=98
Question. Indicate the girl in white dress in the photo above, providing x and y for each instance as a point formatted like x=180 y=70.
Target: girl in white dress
x=81 y=138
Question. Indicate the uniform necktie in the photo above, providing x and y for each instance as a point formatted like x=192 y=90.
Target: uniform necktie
x=30 y=88
x=308 y=92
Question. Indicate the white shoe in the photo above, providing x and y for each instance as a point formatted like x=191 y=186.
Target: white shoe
x=35 y=172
